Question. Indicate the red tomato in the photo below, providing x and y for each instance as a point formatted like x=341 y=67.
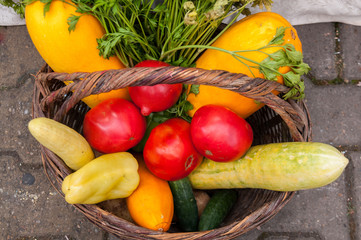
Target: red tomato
x=114 y=125
x=220 y=134
x=155 y=98
x=169 y=153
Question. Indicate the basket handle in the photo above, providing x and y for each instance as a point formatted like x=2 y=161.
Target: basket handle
x=85 y=84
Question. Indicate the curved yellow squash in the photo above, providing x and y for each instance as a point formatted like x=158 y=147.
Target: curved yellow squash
x=62 y=140
x=69 y=52
x=251 y=32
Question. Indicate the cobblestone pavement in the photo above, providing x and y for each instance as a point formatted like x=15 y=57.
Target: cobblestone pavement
x=31 y=209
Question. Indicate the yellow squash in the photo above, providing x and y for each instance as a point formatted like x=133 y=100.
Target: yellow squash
x=69 y=52
x=287 y=166
x=109 y=176
x=151 y=204
x=252 y=32
x=62 y=140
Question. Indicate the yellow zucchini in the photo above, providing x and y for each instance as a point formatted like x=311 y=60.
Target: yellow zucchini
x=62 y=140
x=287 y=166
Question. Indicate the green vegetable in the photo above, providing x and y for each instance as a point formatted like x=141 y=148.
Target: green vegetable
x=153 y=28
x=217 y=209
x=185 y=205
x=288 y=166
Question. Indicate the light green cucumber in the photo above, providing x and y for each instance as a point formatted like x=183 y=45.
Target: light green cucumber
x=287 y=166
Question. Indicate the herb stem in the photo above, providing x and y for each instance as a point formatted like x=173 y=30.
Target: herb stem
x=232 y=53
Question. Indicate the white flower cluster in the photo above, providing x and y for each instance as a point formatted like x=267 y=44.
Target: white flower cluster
x=191 y=16
x=218 y=9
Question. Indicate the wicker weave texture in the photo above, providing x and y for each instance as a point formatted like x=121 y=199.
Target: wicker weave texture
x=278 y=121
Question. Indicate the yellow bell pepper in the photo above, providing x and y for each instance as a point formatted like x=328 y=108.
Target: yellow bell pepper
x=109 y=176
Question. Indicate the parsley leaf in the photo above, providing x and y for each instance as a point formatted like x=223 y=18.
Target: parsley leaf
x=182 y=107
x=72 y=21
x=287 y=56
x=278 y=38
x=194 y=89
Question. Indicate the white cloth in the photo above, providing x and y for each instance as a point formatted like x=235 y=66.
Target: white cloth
x=297 y=12
x=9 y=18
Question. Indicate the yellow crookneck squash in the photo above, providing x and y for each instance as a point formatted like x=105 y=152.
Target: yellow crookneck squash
x=251 y=32
x=74 y=51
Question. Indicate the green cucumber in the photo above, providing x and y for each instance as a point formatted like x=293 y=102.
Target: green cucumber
x=287 y=166
x=185 y=205
x=217 y=209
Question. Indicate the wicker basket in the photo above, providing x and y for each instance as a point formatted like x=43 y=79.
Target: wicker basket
x=278 y=121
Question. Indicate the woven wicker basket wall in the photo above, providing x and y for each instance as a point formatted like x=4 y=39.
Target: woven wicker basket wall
x=278 y=121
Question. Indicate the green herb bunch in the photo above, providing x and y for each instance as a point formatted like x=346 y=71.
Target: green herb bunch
x=148 y=29
x=177 y=32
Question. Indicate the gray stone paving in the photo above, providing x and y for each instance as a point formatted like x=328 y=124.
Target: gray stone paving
x=351 y=51
x=319 y=39
x=31 y=209
x=354 y=209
